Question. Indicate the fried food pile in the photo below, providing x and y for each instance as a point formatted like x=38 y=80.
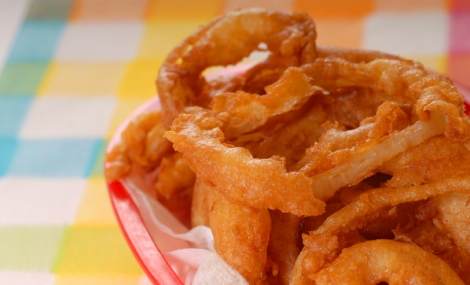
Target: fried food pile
x=312 y=166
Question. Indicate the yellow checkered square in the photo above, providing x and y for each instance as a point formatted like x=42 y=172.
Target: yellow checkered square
x=139 y=79
x=76 y=78
x=161 y=36
x=95 y=250
x=95 y=207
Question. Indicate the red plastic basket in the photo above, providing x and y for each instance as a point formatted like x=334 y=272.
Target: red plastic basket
x=147 y=253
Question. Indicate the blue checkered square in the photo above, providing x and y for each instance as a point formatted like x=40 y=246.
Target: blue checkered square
x=36 y=41
x=7 y=151
x=12 y=112
x=55 y=157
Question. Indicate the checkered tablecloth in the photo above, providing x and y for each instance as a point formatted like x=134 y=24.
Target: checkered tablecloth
x=71 y=71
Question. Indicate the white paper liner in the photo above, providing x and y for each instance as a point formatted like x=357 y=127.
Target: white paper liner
x=190 y=253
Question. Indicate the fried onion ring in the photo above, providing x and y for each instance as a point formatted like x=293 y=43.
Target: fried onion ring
x=246 y=111
x=362 y=164
x=142 y=144
x=200 y=204
x=407 y=82
x=235 y=172
x=392 y=262
x=241 y=235
x=324 y=243
x=173 y=175
x=289 y=37
x=453 y=214
x=283 y=249
x=440 y=226
x=437 y=103
x=437 y=158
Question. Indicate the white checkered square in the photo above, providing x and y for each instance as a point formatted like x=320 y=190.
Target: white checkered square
x=28 y=201
x=410 y=33
x=26 y=278
x=100 y=41
x=68 y=117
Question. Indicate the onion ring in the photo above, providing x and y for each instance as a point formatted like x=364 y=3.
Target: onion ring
x=395 y=263
x=324 y=243
x=356 y=55
x=246 y=111
x=437 y=103
x=287 y=139
x=282 y=248
x=423 y=164
x=289 y=37
x=142 y=145
x=362 y=164
x=453 y=214
x=403 y=81
x=235 y=172
x=200 y=204
x=241 y=235
x=440 y=226
x=173 y=175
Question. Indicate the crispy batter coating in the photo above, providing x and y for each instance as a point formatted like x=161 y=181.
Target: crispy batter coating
x=391 y=262
x=288 y=138
x=142 y=144
x=200 y=204
x=350 y=166
x=323 y=244
x=241 y=236
x=289 y=37
x=436 y=159
x=233 y=170
x=356 y=55
x=440 y=226
x=405 y=82
x=174 y=174
x=246 y=112
x=453 y=215
x=283 y=244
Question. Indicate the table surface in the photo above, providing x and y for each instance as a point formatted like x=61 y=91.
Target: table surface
x=71 y=71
